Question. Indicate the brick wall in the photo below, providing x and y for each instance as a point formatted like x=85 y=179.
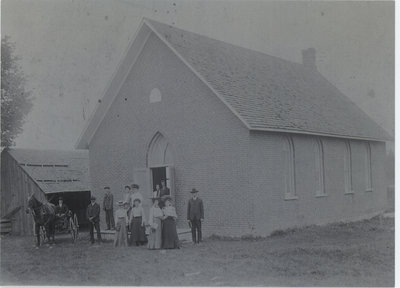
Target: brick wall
x=240 y=175
x=209 y=143
x=273 y=212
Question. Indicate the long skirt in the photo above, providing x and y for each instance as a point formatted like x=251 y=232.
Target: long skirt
x=121 y=235
x=138 y=232
x=170 y=238
x=129 y=215
x=155 y=235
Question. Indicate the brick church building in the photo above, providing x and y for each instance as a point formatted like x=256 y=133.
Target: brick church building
x=270 y=144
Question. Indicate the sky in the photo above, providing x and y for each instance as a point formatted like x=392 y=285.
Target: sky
x=70 y=49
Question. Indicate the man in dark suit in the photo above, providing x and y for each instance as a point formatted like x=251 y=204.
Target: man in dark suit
x=164 y=193
x=61 y=211
x=108 y=206
x=93 y=214
x=195 y=215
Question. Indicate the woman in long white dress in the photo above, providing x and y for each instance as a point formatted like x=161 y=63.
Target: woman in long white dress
x=155 y=217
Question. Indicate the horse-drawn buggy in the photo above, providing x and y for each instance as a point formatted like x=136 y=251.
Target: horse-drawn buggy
x=50 y=219
x=67 y=223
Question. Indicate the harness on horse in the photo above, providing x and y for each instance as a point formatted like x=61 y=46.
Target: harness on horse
x=41 y=212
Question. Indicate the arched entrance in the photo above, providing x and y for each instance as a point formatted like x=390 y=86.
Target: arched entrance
x=160 y=161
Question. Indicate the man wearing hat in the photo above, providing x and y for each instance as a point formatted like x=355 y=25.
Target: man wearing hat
x=195 y=215
x=61 y=211
x=108 y=206
x=164 y=193
x=93 y=214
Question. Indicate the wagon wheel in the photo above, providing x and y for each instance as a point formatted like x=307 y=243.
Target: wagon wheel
x=74 y=227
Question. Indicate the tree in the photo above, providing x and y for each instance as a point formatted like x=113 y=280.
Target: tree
x=16 y=102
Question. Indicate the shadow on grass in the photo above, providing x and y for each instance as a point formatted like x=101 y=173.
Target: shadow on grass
x=376 y=223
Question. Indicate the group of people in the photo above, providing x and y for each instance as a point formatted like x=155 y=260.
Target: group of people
x=158 y=230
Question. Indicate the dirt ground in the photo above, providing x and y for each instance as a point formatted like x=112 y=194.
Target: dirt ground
x=355 y=254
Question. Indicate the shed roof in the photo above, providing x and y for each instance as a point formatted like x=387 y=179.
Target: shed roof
x=267 y=93
x=55 y=170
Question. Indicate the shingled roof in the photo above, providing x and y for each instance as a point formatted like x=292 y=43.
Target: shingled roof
x=55 y=170
x=267 y=93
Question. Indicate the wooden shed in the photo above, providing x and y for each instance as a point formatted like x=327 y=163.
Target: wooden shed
x=46 y=173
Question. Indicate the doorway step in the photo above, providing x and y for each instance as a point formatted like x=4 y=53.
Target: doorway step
x=184 y=234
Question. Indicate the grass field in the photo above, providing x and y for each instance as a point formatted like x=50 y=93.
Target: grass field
x=354 y=254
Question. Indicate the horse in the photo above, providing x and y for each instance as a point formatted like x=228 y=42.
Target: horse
x=43 y=215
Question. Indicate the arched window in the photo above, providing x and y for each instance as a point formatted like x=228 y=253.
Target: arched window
x=348 y=176
x=159 y=152
x=368 y=167
x=289 y=173
x=320 y=168
x=160 y=162
x=155 y=95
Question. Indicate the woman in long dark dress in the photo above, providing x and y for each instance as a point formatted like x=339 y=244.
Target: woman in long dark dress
x=170 y=238
x=137 y=224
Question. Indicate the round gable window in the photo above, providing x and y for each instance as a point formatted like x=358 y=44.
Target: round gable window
x=155 y=95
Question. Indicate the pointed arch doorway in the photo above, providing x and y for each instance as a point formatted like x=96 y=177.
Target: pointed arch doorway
x=160 y=161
